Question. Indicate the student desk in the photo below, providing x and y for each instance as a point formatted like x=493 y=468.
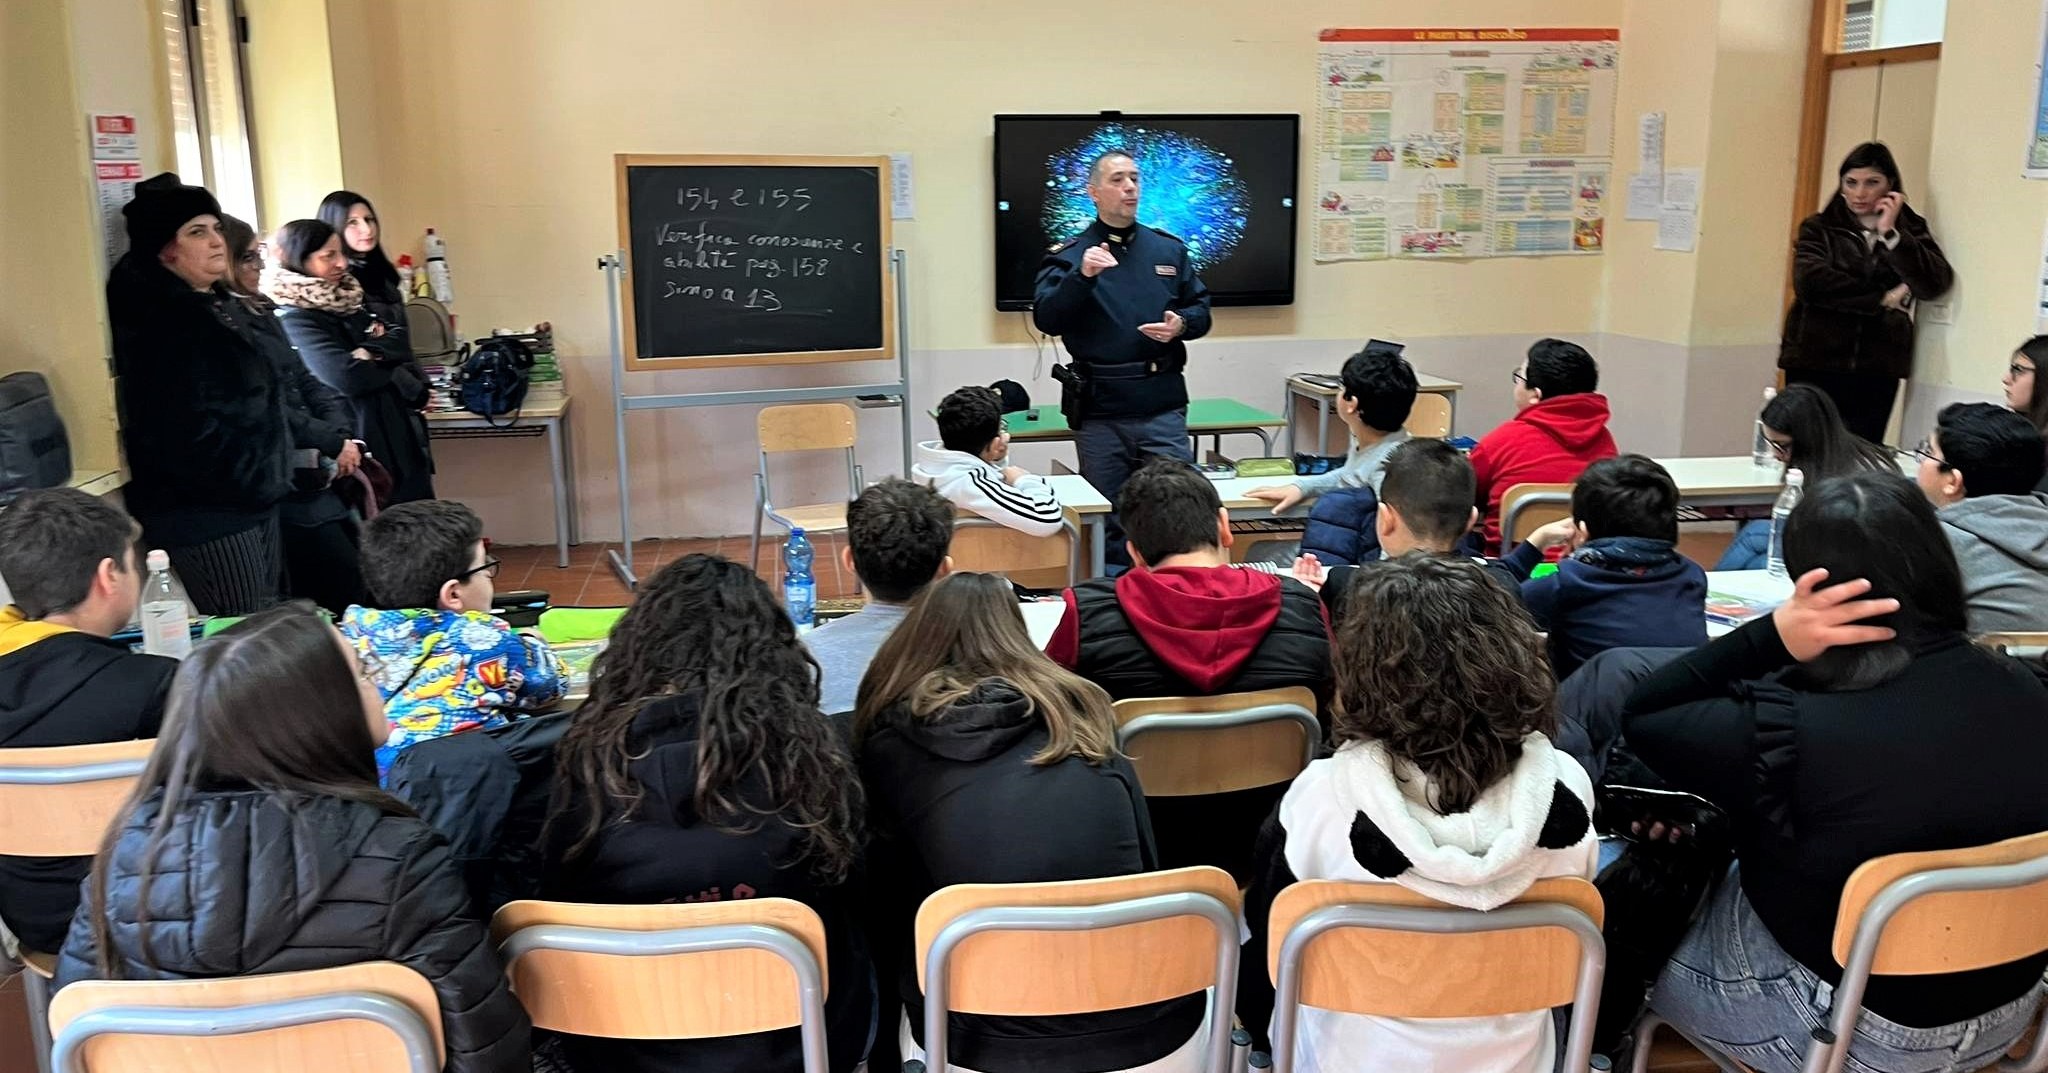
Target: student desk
x=1206 y=417
x=1089 y=509
x=1041 y=617
x=1325 y=400
x=540 y=419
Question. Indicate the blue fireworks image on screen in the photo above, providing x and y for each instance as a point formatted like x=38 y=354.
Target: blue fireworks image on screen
x=1188 y=188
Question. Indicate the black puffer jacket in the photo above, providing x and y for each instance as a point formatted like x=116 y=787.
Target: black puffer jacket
x=318 y=417
x=202 y=412
x=1838 y=321
x=250 y=882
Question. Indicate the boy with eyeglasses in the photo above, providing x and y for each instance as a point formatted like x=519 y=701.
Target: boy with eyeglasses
x=443 y=663
x=1980 y=469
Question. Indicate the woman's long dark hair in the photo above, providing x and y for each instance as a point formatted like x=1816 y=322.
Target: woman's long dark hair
x=1822 y=446
x=301 y=239
x=2036 y=351
x=1443 y=667
x=271 y=703
x=963 y=631
x=1876 y=156
x=373 y=268
x=702 y=625
x=1877 y=526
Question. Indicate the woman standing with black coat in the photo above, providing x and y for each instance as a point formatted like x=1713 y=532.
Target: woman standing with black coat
x=202 y=411
x=325 y=313
x=318 y=530
x=353 y=218
x=1857 y=268
x=255 y=844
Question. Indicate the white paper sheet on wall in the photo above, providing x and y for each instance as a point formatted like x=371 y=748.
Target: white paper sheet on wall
x=1677 y=228
x=1682 y=188
x=1645 y=196
x=902 y=190
x=1650 y=144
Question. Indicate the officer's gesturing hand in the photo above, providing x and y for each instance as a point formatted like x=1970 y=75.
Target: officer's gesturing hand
x=1096 y=259
x=1165 y=331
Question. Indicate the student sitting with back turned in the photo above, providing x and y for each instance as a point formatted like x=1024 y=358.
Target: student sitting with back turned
x=73 y=564
x=700 y=771
x=985 y=763
x=257 y=841
x=1980 y=469
x=1560 y=428
x=1445 y=782
x=1377 y=396
x=969 y=465
x=442 y=661
x=1183 y=622
x=1426 y=506
x=1627 y=585
x=897 y=534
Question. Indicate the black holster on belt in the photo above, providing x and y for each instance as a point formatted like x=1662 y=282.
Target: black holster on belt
x=1074 y=391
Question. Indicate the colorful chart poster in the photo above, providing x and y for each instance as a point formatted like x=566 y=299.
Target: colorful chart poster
x=1455 y=143
x=2037 y=145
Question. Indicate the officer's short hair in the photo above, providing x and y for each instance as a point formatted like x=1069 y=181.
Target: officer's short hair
x=1095 y=166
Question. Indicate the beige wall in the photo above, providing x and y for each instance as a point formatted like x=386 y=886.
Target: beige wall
x=53 y=321
x=1986 y=217
x=291 y=101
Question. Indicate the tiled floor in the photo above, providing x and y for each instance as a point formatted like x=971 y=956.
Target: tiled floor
x=589 y=581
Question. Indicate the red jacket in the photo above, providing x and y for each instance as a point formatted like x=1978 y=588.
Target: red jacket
x=1551 y=442
x=1203 y=623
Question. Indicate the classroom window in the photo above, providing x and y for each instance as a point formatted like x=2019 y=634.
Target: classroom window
x=202 y=43
x=1877 y=24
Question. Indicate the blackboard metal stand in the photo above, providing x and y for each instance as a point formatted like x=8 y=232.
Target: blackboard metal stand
x=898 y=391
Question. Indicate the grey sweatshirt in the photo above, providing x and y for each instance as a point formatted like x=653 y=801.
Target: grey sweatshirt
x=1361 y=468
x=2001 y=543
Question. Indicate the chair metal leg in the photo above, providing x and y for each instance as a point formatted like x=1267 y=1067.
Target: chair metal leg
x=38 y=991
x=1646 y=1036
x=754 y=552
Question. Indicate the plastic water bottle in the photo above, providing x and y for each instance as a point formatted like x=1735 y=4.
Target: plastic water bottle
x=437 y=269
x=799 y=588
x=406 y=274
x=1795 y=490
x=166 y=620
x=1760 y=452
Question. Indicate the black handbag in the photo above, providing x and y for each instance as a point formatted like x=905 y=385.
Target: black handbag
x=34 y=451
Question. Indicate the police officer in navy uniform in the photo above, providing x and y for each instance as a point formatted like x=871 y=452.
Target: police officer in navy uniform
x=1125 y=299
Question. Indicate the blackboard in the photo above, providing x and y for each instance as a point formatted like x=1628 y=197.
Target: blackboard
x=755 y=260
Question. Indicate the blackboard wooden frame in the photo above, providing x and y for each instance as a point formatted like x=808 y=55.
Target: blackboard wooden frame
x=637 y=362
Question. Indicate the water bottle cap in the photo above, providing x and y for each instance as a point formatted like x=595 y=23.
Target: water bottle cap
x=796 y=531
x=1795 y=478
x=158 y=559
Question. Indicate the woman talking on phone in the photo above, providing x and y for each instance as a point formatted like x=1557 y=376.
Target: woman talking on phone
x=1857 y=268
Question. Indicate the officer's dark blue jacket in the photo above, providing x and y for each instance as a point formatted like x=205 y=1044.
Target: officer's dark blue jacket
x=1099 y=317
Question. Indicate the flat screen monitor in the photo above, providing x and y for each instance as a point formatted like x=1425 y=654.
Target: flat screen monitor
x=1224 y=184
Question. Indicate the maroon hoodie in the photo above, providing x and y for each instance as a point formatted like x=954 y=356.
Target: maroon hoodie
x=1551 y=442
x=1203 y=622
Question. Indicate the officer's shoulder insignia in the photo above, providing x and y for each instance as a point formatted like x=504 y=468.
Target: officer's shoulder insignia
x=1070 y=240
x=1167 y=234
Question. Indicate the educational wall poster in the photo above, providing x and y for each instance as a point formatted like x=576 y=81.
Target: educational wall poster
x=2037 y=145
x=1459 y=143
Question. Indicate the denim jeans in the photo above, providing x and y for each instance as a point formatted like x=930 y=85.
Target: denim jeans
x=1732 y=987
x=1112 y=448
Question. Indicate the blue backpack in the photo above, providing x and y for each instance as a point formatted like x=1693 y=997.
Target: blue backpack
x=492 y=382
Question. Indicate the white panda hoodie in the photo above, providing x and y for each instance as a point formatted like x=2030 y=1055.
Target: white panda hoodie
x=974 y=485
x=1362 y=816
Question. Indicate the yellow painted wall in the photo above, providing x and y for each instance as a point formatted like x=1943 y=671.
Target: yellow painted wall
x=53 y=320
x=291 y=99
x=1984 y=214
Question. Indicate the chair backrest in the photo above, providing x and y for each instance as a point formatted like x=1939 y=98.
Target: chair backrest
x=670 y=971
x=374 y=1017
x=2018 y=644
x=984 y=546
x=1381 y=949
x=1948 y=910
x=59 y=801
x=812 y=426
x=1431 y=417
x=1526 y=508
x=1192 y=746
x=1045 y=949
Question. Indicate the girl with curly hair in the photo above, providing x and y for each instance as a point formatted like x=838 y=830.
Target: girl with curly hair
x=1443 y=781
x=701 y=770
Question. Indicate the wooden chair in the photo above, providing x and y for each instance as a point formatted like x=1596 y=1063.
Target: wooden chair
x=59 y=802
x=817 y=426
x=375 y=1017
x=1526 y=508
x=669 y=971
x=1045 y=949
x=1194 y=746
x=1382 y=949
x=1919 y=914
x=2025 y=645
x=988 y=547
x=1431 y=417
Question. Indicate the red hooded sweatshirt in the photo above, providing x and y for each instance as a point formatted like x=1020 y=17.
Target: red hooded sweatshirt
x=1551 y=442
x=1203 y=622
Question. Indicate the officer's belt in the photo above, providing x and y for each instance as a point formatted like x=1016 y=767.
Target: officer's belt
x=1123 y=370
